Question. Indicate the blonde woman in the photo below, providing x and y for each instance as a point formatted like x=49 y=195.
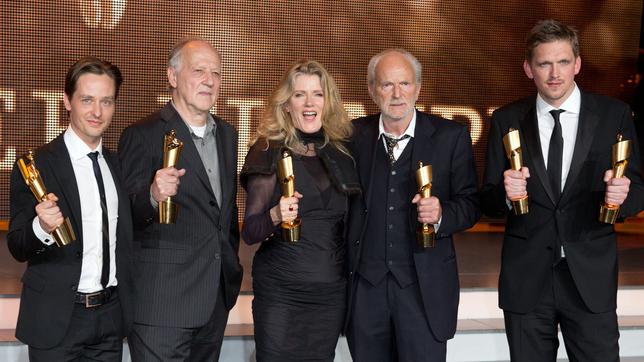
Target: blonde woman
x=299 y=288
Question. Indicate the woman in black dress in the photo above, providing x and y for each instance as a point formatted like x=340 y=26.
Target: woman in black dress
x=299 y=288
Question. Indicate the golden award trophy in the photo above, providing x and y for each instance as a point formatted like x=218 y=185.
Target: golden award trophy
x=425 y=235
x=64 y=233
x=512 y=144
x=290 y=229
x=172 y=147
x=621 y=152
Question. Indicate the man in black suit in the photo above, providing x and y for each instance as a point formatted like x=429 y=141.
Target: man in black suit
x=559 y=262
x=76 y=299
x=404 y=298
x=188 y=273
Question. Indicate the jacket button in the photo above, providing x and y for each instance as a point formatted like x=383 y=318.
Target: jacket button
x=79 y=254
x=365 y=211
x=219 y=227
x=217 y=256
x=357 y=242
x=74 y=288
x=212 y=203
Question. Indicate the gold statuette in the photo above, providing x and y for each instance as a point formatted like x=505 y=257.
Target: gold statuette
x=64 y=233
x=425 y=235
x=621 y=152
x=512 y=144
x=172 y=147
x=290 y=229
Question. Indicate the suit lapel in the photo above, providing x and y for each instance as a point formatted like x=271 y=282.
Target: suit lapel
x=223 y=142
x=63 y=171
x=588 y=120
x=422 y=151
x=422 y=146
x=530 y=127
x=367 y=150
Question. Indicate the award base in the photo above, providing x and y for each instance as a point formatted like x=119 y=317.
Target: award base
x=425 y=236
x=608 y=213
x=520 y=206
x=291 y=230
x=168 y=212
x=64 y=234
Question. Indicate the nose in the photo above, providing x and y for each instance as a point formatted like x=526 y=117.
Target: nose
x=554 y=71
x=396 y=93
x=97 y=109
x=209 y=79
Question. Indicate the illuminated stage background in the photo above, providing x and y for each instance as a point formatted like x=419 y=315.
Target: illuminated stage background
x=471 y=52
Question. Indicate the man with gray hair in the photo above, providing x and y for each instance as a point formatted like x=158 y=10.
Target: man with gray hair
x=188 y=275
x=403 y=295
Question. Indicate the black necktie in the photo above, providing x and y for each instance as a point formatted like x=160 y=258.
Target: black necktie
x=555 y=152
x=105 y=271
x=391 y=144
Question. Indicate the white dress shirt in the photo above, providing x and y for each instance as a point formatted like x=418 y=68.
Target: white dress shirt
x=91 y=213
x=569 y=122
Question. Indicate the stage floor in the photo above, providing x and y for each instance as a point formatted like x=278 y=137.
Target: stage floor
x=478 y=255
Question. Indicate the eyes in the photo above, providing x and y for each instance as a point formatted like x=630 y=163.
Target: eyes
x=106 y=102
x=300 y=94
x=389 y=86
x=563 y=62
x=200 y=72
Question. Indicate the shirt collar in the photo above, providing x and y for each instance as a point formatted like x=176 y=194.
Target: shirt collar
x=211 y=126
x=572 y=104
x=409 y=131
x=76 y=147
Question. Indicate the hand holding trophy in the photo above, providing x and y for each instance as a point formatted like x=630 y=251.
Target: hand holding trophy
x=290 y=229
x=512 y=144
x=425 y=235
x=64 y=233
x=172 y=147
x=621 y=152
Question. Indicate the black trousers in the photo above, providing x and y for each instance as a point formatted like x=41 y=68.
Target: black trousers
x=172 y=344
x=587 y=336
x=94 y=334
x=388 y=323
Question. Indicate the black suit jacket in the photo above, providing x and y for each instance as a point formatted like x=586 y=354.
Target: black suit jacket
x=180 y=267
x=530 y=241
x=53 y=273
x=445 y=145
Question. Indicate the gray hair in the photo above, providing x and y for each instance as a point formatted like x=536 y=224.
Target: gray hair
x=373 y=63
x=174 y=58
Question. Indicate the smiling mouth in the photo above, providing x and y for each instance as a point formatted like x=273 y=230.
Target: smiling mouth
x=310 y=114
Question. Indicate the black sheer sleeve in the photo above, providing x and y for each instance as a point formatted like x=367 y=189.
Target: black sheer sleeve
x=261 y=197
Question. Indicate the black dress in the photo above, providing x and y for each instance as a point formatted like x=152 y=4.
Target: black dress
x=299 y=288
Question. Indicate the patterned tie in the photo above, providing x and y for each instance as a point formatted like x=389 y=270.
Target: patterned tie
x=391 y=144
x=105 y=271
x=555 y=152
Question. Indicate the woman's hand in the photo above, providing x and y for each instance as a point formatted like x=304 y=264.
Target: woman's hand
x=286 y=210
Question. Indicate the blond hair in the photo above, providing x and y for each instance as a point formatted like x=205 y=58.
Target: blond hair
x=277 y=125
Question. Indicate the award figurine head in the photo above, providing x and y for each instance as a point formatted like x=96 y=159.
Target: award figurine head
x=172 y=147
